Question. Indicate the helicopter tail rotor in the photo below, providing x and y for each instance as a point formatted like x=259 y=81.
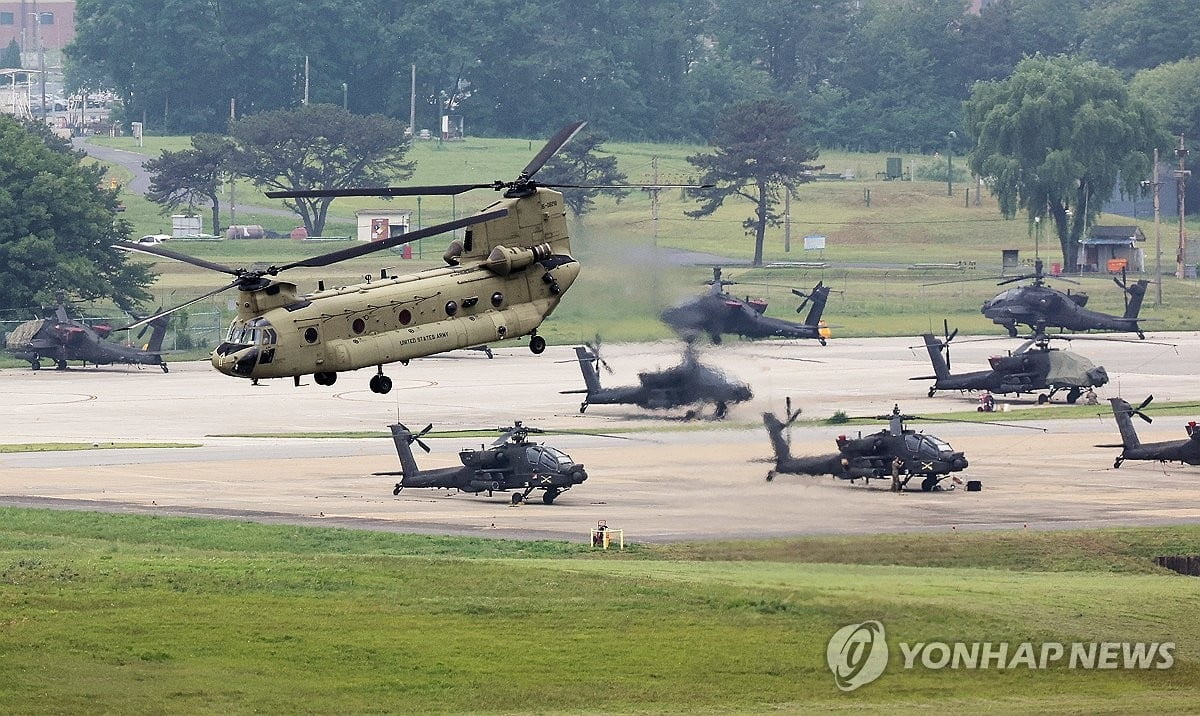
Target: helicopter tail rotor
x=594 y=348
x=1138 y=410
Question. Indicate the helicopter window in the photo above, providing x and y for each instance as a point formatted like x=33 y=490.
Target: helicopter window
x=310 y=334
x=938 y=444
x=358 y=326
x=405 y=317
x=451 y=308
x=562 y=459
x=497 y=299
x=912 y=443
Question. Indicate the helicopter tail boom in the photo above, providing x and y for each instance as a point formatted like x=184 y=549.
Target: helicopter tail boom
x=403 y=439
x=1123 y=413
x=934 y=347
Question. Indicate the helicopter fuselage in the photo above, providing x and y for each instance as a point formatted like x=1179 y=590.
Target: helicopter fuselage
x=505 y=278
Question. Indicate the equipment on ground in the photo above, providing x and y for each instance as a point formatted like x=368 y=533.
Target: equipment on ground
x=59 y=339
x=512 y=462
x=500 y=281
x=1032 y=368
x=689 y=383
x=1185 y=451
x=895 y=453
x=716 y=313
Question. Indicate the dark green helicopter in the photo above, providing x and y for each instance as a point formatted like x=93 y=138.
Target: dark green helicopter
x=512 y=462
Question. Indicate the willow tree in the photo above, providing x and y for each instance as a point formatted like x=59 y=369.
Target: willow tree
x=1055 y=138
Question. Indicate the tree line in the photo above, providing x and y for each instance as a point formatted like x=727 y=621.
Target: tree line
x=860 y=74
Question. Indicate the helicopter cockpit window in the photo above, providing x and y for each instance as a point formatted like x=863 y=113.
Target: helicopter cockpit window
x=252 y=333
x=560 y=458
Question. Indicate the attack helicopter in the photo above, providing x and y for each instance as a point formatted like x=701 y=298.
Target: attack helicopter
x=500 y=281
x=896 y=453
x=717 y=313
x=1033 y=367
x=512 y=462
x=59 y=338
x=1041 y=307
x=689 y=383
x=1185 y=451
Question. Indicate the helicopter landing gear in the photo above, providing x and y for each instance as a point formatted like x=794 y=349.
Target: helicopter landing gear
x=722 y=409
x=1074 y=394
x=324 y=378
x=396 y=490
x=1043 y=399
x=380 y=383
x=61 y=364
x=35 y=363
x=537 y=344
x=163 y=365
x=770 y=475
x=583 y=407
x=549 y=495
x=929 y=483
x=931 y=392
x=517 y=498
x=1117 y=462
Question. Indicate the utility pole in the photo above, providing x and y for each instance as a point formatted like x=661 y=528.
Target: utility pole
x=305 y=102
x=654 y=189
x=1181 y=176
x=787 y=219
x=412 y=106
x=232 y=179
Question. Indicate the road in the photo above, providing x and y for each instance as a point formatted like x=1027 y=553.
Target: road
x=674 y=481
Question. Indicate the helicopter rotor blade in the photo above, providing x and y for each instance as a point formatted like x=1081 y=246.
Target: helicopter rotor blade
x=372 y=246
x=160 y=314
x=175 y=255
x=551 y=148
x=433 y=190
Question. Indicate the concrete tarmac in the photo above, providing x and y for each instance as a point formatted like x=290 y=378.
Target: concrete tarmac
x=673 y=480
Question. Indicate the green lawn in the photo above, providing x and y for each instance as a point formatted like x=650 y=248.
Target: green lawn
x=121 y=613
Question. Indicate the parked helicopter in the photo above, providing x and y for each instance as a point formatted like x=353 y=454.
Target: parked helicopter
x=717 y=312
x=510 y=463
x=1033 y=367
x=501 y=281
x=689 y=383
x=1040 y=307
x=895 y=453
x=61 y=339
x=1184 y=451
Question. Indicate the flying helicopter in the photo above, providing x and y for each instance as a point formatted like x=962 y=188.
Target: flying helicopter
x=500 y=281
x=1185 y=451
x=512 y=462
x=717 y=313
x=895 y=453
x=60 y=339
x=689 y=383
x=1039 y=306
x=1033 y=367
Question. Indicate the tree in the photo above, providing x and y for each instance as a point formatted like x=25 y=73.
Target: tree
x=319 y=146
x=1173 y=90
x=11 y=56
x=192 y=175
x=1137 y=34
x=57 y=224
x=579 y=163
x=759 y=152
x=1054 y=137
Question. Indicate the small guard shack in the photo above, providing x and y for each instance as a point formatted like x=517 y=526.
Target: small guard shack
x=1113 y=248
x=376 y=224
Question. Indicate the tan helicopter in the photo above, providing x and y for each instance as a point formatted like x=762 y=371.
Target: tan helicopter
x=501 y=281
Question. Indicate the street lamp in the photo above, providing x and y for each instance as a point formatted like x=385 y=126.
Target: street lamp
x=345 y=95
x=41 y=56
x=1155 y=184
x=1181 y=177
x=950 y=137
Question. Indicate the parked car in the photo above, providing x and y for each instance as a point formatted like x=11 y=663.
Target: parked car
x=154 y=239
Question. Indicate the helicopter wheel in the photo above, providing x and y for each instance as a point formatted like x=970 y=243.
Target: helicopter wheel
x=61 y=364
x=929 y=483
x=722 y=410
x=164 y=367
x=397 y=488
x=381 y=384
x=549 y=495
x=583 y=407
x=770 y=475
x=1117 y=463
x=537 y=344
x=324 y=378
x=931 y=392
x=517 y=498
x=35 y=363
x=1043 y=399
x=1073 y=395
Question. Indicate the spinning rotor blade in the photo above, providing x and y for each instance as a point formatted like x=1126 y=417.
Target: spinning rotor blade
x=1138 y=410
x=181 y=306
x=417 y=438
x=437 y=190
x=168 y=254
x=370 y=247
x=551 y=148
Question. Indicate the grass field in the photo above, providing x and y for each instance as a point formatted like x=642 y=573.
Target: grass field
x=121 y=613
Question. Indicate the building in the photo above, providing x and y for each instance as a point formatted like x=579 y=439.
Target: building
x=1106 y=247
x=37 y=25
x=376 y=224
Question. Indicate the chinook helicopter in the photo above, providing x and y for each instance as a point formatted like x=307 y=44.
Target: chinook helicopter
x=500 y=281
x=59 y=338
x=717 y=313
x=896 y=453
x=689 y=383
x=1033 y=367
x=1185 y=451
x=512 y=462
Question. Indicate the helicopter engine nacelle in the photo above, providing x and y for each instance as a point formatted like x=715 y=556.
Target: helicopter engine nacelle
x=504 y=260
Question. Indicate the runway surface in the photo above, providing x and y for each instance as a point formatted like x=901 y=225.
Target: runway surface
x=673 y=481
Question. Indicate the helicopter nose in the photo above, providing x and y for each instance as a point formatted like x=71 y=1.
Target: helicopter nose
x=1098 y=376
x=239 y=364
x=959 y=462
x=578 y=474
x=565 y=274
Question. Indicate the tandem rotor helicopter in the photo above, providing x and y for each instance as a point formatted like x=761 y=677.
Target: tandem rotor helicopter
x=500 y=281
